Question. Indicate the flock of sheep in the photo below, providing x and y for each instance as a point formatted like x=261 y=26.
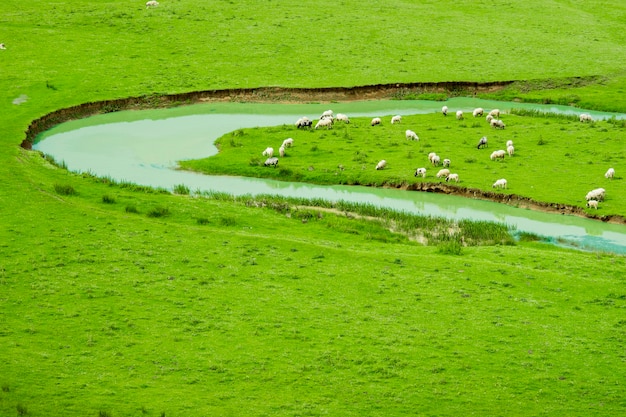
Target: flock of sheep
x=328 y=118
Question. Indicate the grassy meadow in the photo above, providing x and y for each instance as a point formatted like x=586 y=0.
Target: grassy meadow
x=557 y=158
x=121 y=300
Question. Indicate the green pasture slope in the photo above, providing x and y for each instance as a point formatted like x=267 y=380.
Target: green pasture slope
x=117 y=300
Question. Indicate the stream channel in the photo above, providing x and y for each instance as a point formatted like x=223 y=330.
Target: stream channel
x=143 y=147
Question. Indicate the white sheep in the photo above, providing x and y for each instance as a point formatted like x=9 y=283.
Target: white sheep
x=509 y=143
x=376 y=121
x=443 y=173
x=420 y=172
x=444 y=110
x=446 y=163
x=452 y=177
x=459 y=114
x=343 y=118
x=597 y=194
x=271 y=162
x=478 y=112
x=497 y=124
x=2 y=46
x=410 y=135
x=495 y=113
x=281 y=151
x=482 y=143
x=585 y=117
x=510 y=150
x=610 y=173
x=288 y=143
x=327 y=113
x=152 y=3
x=431 y=156
x=501 y=183
x=381 y=164
x=268 y=152
x=326 y=122
x=436 y=160
x=396 y=119
x=592 y=204
x=499 y=154
x=489 y=118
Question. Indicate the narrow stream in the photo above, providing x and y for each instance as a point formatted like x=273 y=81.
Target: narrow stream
x=143 y=147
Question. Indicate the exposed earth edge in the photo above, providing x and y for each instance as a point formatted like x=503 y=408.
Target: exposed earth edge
x=307 y=95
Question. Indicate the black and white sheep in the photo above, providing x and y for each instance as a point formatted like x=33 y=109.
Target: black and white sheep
x=452 y=177
x=376 y=121
x=420 y=172
x=446 y=163
x=482 y=143
x=444 y=110
x=271 y=162
x=304 y=122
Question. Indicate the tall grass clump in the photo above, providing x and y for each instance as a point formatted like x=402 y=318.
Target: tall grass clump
x=181 y=189
x=158 y=212
x=64 y=189
x=108 y=199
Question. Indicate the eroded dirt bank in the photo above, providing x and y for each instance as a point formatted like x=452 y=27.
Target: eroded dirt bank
x=302 y=95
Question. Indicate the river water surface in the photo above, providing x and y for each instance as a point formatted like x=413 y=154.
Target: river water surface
x=143 y=147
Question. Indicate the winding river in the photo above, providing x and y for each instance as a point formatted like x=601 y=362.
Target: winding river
x=144 y=146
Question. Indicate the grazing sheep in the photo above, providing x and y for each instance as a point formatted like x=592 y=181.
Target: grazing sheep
x=303 y=122
x=482 y=143
x=431 y=156
x=497 y=124
x=410 y=135
x=510 y=150
x=610 y=173
x=420 y=172
x=326 y=122
x=268 y=152
x=443 y=173
x=452 y=177
x=288 y=143
x=446 y=163
x=509 y=143
x=495 y=113
x=342 y=117
x=152 y=3
x=500 y=154
x=489 y=118
x=376 y=121
x=281 y=151
x=459 y=115
x=478 y=112
x=382 y=164
x=501 y=183
x=444 y=110
x=327 y=113
x=436 y=160
x=586 y=117
x=597 y=194
x=396 y=119
x=271 y=162
x=592 y=203
x=2 y=46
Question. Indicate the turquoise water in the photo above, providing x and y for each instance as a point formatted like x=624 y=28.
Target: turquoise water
x=144 y=146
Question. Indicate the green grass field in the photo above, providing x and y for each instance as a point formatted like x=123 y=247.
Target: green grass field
x=118 y=300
